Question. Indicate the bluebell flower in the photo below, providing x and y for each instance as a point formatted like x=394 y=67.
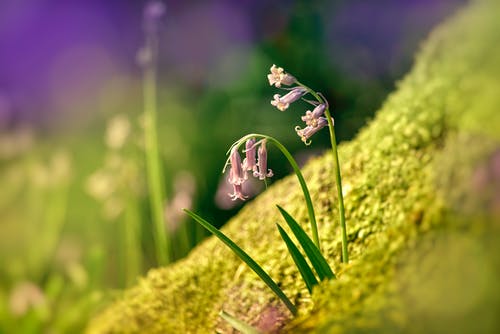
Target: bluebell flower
x=283 y=102
x=237 y=193
x=262 y=172
x=279 y=77
x=249 y=163
x=306 y=133
x=236 y=174
x=311 y=118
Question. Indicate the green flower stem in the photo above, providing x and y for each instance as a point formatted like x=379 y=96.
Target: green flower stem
x=338 y=177
x=56 y=204
x=153 y=164
x=300 y=177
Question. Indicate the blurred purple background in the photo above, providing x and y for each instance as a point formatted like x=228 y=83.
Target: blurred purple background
x=64 y=61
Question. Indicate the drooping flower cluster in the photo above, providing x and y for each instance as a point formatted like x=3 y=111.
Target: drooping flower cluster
x=255 y=161
x=315 y=119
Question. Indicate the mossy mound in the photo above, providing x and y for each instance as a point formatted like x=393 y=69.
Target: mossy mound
x=422 y=202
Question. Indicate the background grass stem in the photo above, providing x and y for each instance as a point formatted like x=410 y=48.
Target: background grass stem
x=155 y=178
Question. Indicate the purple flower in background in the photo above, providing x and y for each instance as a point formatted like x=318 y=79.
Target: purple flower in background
x=283 y=102
x=263 y=172
x=153 y=12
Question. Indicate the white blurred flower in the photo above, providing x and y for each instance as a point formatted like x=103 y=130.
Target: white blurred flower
x=25 y=296
x=117 y=132
x=184 y=190
x=16 y=142
x=77 y=274
x=60 y=165
x=100 y=185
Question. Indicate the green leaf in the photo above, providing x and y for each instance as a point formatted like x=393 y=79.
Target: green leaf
x=317 y=260
x=238 y=324
x=300 y=261
x=246 y=258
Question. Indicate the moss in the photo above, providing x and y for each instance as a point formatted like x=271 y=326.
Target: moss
x=422 y=205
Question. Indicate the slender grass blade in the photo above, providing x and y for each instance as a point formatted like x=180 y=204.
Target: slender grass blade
x=300 y=261
x=238 y=324
x=246 y=258
x=317 y=260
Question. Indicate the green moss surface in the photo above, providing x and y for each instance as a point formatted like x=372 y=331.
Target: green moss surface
x=421 y=185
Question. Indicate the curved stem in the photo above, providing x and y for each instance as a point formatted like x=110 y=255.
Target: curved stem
x=338 y=177
x=300 y=177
